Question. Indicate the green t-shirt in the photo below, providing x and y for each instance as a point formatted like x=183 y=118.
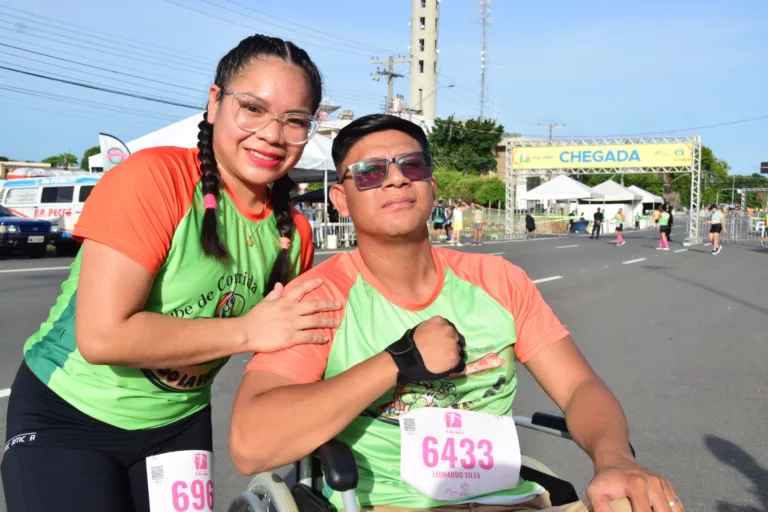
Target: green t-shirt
x=150 y=209
x=664 y=219
x=492 y=303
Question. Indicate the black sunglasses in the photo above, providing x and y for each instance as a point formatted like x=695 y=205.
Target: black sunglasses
x=372 y=173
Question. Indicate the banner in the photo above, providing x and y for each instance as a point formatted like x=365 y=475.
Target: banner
x=113 y=151
x=604 y=156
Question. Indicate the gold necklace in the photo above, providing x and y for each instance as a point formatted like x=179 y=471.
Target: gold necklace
x=250 y=240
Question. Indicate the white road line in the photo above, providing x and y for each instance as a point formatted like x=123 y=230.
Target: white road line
x=708 y=243
x=496 y=253
x=633 y=261
x=5 y=392
x=566 y=246
x=37 y=269
x=547 y=279
x=681 y=250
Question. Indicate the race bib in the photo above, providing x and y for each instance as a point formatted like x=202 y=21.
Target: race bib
x=451 y=455
x=180 y=481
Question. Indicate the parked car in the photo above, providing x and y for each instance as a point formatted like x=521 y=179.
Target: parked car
x=29 y=236
x=57 y=199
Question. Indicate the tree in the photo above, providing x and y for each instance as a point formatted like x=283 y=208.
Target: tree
x=95 y=150
x=468 y=146
x=4 y=159
x=67 y=159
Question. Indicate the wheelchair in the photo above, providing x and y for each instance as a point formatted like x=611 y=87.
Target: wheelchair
x=267 y=491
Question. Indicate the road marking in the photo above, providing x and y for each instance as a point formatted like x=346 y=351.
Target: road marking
x=495 y=253
x=5 y=392
x=708 y=243
x=38 y=269
x=566 y=246
x=633 y=261
x=547 y=279
x=681 y=250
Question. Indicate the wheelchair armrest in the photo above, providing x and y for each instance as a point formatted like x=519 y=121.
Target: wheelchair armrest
x=556 y=421
x=553 y=420
x=339 y=466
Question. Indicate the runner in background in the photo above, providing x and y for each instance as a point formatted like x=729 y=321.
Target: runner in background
x=479 y=217
x=597 y=225
x=180 y=247
x=438 y=220
x=637 y=221
x=765 y=229
x=663 y=229
x=716 y=228
x=620 y=220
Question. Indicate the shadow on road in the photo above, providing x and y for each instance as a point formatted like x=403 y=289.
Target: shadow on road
x=734 y=456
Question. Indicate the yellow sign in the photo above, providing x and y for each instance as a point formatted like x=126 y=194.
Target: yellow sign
x=603 y=157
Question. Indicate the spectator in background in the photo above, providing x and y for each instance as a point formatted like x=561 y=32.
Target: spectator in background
x=597 y=225
x=637 y=221
x=438 y=220
x=448 y=225
x=530 y=224
x=477 y=237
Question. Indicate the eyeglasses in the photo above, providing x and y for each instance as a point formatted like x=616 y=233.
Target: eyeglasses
x=252 y=114
x=372 y=173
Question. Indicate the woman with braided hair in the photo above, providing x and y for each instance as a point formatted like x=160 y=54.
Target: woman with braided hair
x=184 y=260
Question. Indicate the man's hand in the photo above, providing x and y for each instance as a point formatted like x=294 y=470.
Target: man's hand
x=625 y=478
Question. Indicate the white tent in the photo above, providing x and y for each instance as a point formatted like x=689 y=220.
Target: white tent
x=313 y=166
x=561 y=188
x=616 y=192
x=646 y=196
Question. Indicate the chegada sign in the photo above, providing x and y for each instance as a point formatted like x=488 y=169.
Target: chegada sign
x=603 y=157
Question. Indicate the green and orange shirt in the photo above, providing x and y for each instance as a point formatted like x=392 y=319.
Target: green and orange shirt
x=492 y=303
x=150 y=208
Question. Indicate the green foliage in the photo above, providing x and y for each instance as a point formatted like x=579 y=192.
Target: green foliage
x=65 y=158
x=453 y=184
x=94 y=150
x=4 y=159
x=468 y=146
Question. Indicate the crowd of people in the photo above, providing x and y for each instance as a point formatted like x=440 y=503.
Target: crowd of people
x=191 y=256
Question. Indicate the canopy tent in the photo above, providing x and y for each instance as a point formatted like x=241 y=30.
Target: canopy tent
x=314 y=164
x=647 y=197
x=561 y=188
x=616 y=192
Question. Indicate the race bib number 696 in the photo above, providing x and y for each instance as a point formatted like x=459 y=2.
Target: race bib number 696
x=451 y=455
x=181 y=481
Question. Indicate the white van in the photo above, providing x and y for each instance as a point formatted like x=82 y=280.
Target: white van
x=57 y=199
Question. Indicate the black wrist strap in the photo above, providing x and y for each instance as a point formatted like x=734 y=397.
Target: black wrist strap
x=405 y=354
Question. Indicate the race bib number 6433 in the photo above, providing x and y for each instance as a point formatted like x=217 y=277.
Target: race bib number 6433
x=450 y=455
x=181 y=481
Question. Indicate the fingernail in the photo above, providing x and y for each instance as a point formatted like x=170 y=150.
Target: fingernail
x=318 y=280
x=336 y=304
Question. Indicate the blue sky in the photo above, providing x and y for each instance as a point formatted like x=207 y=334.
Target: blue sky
x=599 y=66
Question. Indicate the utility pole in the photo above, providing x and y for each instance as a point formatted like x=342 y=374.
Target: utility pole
x=485 y=13
x=390 y=74
x=550 y=125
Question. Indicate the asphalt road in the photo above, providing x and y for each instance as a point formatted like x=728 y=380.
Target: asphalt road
x=679 y=336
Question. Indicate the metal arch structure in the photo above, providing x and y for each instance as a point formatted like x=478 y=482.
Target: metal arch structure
x=744 y=192
x=513 y=174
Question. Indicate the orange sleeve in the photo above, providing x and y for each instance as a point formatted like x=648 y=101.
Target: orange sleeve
x=536 y=324
x=135 y=207
x=307 y=244
x=303 y=364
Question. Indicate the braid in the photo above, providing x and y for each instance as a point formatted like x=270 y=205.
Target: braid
x=281 y=204
x=209 y=237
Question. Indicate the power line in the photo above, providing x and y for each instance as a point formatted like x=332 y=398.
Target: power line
x=121 y=55
x=103 y=89
x=705 y=127
x=88 y=65
x=251 y=28
x=291 y=24
x=92 y=104
x=114 y=36
x=91 y=36
x=28 y=59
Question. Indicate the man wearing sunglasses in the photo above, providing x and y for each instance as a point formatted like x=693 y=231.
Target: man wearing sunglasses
x=421 y=331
